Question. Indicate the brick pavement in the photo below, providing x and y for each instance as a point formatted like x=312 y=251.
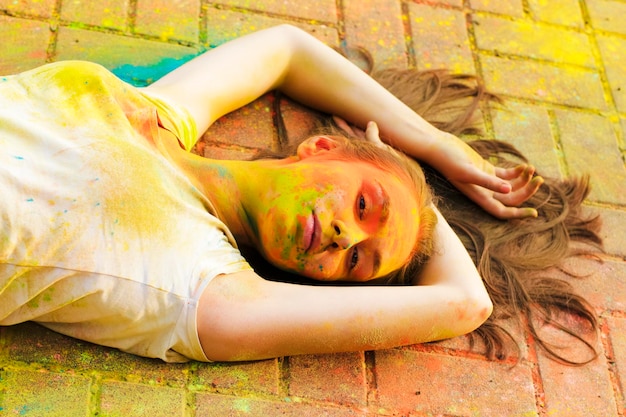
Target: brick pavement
x=561 y=65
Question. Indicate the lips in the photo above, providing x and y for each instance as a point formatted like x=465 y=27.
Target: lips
x=312 y=233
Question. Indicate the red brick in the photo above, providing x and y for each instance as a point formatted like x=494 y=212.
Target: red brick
x=250 y=126
x=507 y=7
x=321 y=10
x=575 y=391
x=104 y=13
x=603 y=284
x=440 y=39
x=584 y=133
x=29 y=43
x=43 y=8
x=438 y=384
x=30 y=393
x=528 y=128
x=134 y=400
x=168 y=19
x=211 y=405
x=225 y=25
x=242 y=378
x=138 y=58
x=617 y=327
x=34 y=345
x=560 y=12
x=337 y=378
x=613 y=230
x=378 y=27
x=607 y=15
x=612 y=49
x=534 y=80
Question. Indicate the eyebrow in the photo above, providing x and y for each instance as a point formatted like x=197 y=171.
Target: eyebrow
x=376 y=266
x=384 y=212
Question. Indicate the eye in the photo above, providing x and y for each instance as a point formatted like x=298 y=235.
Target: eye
x=354 y=258
x=362 y=206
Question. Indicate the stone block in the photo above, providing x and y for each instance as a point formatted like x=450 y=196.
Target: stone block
x=607 y=15
x=590 y=147
x=123 y=399
x=508 y=7
x=377 y=26
x=539 y=81
x=319 y=10
x=135 y=60
x=413 y=382
x=226 y=25
x=240 y=378
x=168 y=19
x=41 y=393
x=42 y=8
x=29 y=44
x=439 y=39
x=104 y=13
x=617 y=327
x=560 y=12
x=527 y=127
x=337 y=378
x=613 y=51
x=533 y=40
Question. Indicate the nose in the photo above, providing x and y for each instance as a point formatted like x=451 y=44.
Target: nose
x=343 y=236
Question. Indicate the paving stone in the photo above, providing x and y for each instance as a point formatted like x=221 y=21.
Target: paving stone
x=168 y=19
x=613 y=231
x=439 y=39
x=321 y=10
x=560 y=12
x=43 y=394
x=416 y=382
x=105 y=13
x=607 y=15
x=29 y=43
x=39 y=347
x=544 y=82
x=567 y=388
x=456 y=3
x=136 y=60
x=211 y=405
x=527 y=127
x=124 y=399
x=509 y=7
x=337 y=378
x=242 y=378
x=617 y=328
x=534 y=40
x=250 y=126
x=377 y=26
x=603 y=283
x=590 y=146
x=225 y=25
x=613 y=50
x=42 y=8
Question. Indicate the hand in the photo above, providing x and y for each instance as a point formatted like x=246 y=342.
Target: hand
x=499 y=191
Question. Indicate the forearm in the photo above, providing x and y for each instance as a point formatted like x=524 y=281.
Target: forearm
x=321 y=78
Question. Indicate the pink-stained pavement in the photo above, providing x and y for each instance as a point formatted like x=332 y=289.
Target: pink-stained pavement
x=560 y=64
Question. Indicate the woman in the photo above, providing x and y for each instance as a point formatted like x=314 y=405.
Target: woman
x=117 y=235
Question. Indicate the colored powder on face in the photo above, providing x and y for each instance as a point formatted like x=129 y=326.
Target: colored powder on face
x=141 y=76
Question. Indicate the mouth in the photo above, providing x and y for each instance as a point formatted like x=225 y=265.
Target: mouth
x=312 y=233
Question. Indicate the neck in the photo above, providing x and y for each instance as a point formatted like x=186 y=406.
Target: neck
x=232 y=187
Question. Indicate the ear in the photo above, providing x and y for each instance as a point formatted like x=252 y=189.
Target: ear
x=315 y=145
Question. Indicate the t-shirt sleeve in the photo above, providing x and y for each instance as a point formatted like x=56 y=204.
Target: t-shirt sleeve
x=174 y=118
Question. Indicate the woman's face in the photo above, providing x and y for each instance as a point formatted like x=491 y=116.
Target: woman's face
x=331 y=219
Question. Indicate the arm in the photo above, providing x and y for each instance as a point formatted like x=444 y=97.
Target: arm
x=243 y=317
x=236 y=73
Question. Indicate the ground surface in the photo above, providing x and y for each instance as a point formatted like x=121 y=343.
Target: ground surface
x=561 y=64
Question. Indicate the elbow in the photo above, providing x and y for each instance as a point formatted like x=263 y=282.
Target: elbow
x=474 y=311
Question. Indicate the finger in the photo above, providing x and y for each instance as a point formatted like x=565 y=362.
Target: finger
x=372 y=133
x=520 y=195
x=345 y=126
x=523 y=179
x=489 y=181
x=504 y=212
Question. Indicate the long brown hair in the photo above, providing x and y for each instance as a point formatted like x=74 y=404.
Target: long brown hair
x=516 y=258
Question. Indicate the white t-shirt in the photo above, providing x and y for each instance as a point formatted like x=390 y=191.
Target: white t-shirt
x=101 y=237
